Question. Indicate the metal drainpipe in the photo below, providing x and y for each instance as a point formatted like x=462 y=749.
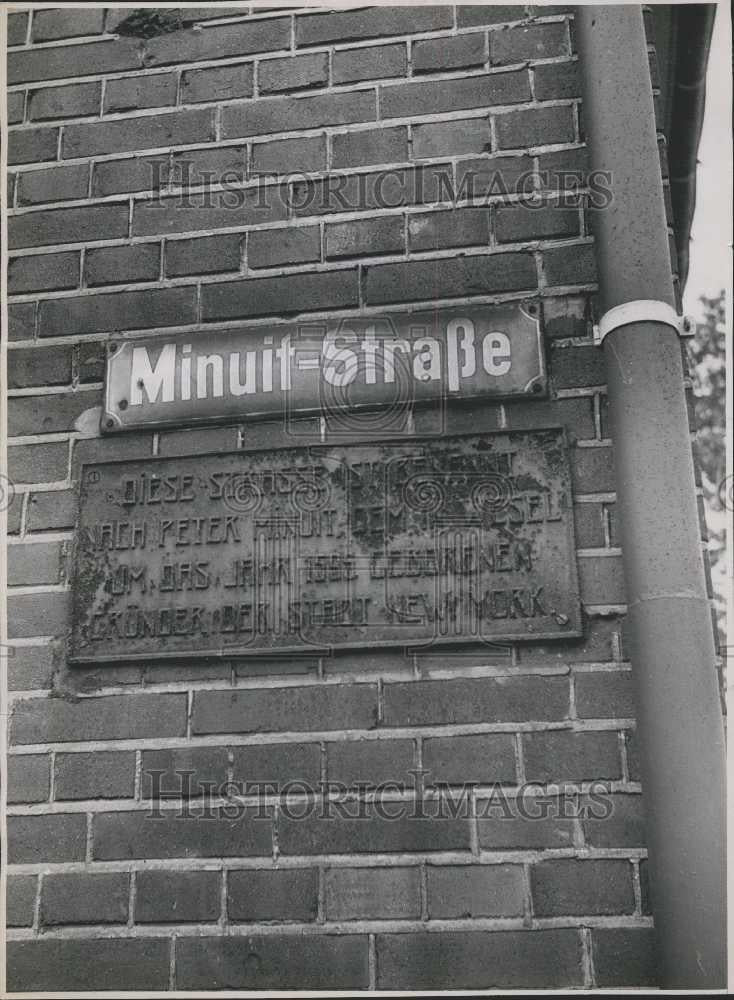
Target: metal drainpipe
x=678 y=714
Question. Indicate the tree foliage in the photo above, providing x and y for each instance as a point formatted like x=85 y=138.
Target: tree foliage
x=707 y=353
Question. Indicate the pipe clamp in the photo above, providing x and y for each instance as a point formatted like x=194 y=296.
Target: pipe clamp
x=642 y=311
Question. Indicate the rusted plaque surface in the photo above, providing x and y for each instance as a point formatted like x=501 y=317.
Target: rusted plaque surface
x=396 y=360
x=409 y=543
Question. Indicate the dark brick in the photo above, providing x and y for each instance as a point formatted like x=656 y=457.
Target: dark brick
x=475 y=891
x=165 y=897
x=434 y=55
x=557 y=81
x=20 y=900
x=68 y=225
x=615 y=539
x=39 y=563
x=532 y=823
x=593 y=470
x=563 y=169
x=58 y=184
x=323 y=962
x=506 y=699
x=469 y=16
x=32 y=615
x=601 y=580
x=117 y=311
x=51 y=511
x=21 y=322
x=473 y=960
x=277 y=764
x=486 y=758
x=567 y=756
x=125 y=835
x=370 y=22
x=449 y=278
x=90 y=362
x=452 y=138
x=501 y=175
x=365 y=237
x=373 y=62
x=293 y=73
x=216 y=83
x=64 y=61
x=273 y=247
x=571 y=265
x=624 y=826
x=32 y=145
x=132 y=92
x=576 y=414
x=65 y=102
x=430 y=97
x=633 y=755
x=186 y=772
x=372 y=191
x=218 y=42
x=207 y=255
x=17 y=28
x=89 y=964
x=38 y=463
x=28 y=778
x=566 y=316
x=571 y=887
x=15 y=511
x=534 y=127
x=625 y=956
x=290 y=894
x=457 y=227
x=175 y=128
x=326 y=830
x=15 y=108
x=348 y=706
x=289 y=156
x=118 y=265
x=181 y=17
x=589 y=524
x=527 y=42
x=46 y=839
x=51 y=25
x=43 y=273
x=370 y=762
x=523 y=221
x=209 y=210
x=281 y=114
x=372 y=893
x=279 y=296
x=115 y=717
x=574 y=367
x=359 y=149
x=137 y=173
x=645 y=900
x=81 y=898
x=30 y=668
x=94 y=775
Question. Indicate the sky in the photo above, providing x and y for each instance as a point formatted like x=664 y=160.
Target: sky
x=711 y=261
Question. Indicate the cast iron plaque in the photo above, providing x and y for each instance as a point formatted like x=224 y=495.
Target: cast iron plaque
x=341 y=365
x=401 y=543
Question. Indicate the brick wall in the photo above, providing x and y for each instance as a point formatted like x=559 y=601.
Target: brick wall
x=320 y=105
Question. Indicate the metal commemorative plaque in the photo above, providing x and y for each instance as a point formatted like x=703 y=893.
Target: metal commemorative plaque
x=407 y=543
x=316 y=367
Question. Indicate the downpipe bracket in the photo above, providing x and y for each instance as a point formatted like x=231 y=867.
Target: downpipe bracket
x=642 y=311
